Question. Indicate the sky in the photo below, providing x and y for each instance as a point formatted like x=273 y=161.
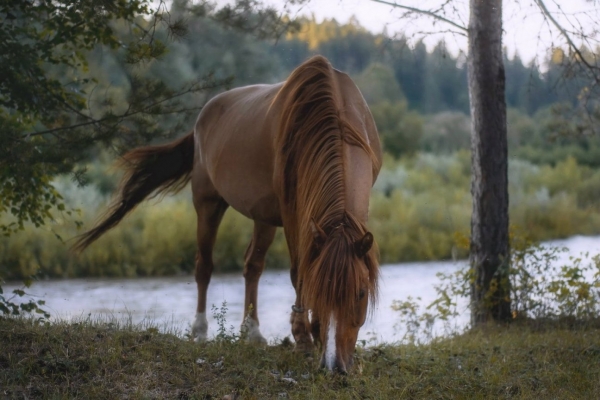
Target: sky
x=526 y=33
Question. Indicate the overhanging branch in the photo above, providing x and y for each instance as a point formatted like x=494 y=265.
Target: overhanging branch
x=566 y=35
x=424 y=12
x=129 y=113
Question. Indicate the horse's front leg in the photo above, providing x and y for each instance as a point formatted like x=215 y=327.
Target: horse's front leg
x=253 y=267
x=301 y=328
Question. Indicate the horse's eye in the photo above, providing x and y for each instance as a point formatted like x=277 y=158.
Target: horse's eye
x=361 y=294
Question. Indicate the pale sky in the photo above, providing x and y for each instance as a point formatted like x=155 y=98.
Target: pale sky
x=525 y=29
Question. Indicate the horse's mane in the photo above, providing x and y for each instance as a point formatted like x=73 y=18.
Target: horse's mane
x=309 y=148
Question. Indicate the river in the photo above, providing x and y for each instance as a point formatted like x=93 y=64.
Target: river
x=169 y=303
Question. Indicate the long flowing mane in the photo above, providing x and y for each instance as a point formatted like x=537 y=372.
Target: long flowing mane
x=310 y=152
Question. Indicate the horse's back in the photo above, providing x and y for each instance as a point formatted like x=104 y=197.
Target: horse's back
x=235 y=135
x=234 y=150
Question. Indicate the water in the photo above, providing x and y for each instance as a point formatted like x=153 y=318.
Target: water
x=171 y=302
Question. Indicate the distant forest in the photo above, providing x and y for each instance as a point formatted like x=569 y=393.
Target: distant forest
x=419 y=98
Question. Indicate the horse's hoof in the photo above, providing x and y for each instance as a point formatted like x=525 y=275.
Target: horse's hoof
x=200 y=328
x=257 y=339
x=307 y=348
x=251 y=332
x=200 y=338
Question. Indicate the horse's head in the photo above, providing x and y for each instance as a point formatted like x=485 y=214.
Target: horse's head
x=341 y=283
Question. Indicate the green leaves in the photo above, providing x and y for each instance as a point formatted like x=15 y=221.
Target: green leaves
x=42 y=45
x=21 y=303
x=59 y=100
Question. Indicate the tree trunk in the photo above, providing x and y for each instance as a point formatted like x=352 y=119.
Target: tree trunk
x=490 y=288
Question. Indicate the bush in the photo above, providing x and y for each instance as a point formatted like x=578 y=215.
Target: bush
x=418 y=205
x=544 y=286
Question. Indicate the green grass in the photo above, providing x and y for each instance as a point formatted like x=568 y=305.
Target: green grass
x=104 y=360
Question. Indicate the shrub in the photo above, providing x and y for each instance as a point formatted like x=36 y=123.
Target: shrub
x=418 y=205
x=544 y=286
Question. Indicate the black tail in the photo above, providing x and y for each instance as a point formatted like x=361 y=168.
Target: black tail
x=149 y=171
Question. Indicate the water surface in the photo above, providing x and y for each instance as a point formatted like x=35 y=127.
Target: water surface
x=171 y=302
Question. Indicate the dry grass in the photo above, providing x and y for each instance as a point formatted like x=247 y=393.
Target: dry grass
x=103 y=360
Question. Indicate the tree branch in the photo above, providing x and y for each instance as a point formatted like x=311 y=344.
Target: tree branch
x=566 y=35
x=126 y=114
x=424 y=12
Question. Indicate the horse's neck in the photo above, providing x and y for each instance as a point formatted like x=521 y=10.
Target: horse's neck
x=358 y=179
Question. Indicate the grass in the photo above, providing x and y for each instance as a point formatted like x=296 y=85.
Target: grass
x=90 y=359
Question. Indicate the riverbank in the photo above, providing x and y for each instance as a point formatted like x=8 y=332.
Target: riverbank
x=99 y=360
x=171 y=301
x=420 y=210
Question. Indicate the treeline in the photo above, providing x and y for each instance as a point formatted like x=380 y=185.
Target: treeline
x=430 y=81
x=419 y=98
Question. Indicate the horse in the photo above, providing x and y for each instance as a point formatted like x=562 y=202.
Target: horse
x=302 y=154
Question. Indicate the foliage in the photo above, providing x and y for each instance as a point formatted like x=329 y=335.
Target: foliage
x=446 y=133
x=378 y=84
x=578 y=100
x=417 y=207
x=545 y=285
x=80 y=74
x=547 y=138
x=400 y=130
x=225 y=335
x=42 y=109
x=316 y=34
x=8 y=306
x=542 y=138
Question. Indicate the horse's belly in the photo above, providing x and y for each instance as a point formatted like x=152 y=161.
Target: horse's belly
x=236 y=151
x=253 y=199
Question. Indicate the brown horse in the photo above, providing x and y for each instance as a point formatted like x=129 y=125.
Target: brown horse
x=302 y=154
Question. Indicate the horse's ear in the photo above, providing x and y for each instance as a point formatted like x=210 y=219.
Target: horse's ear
x=363 y=245
x=318 y=234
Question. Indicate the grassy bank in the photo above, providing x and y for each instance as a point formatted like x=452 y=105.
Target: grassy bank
x=418 y=207
x=99 y=360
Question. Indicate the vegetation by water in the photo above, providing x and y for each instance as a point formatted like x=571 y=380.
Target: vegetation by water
x=99 y=359
x=420 y=210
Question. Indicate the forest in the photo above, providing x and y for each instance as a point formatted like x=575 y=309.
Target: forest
x=420 y=206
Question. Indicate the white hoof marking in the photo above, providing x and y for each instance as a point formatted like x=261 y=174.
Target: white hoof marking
x=200 y=328
x=252 y=331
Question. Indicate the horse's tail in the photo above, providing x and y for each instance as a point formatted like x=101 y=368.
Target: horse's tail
x=149 y=171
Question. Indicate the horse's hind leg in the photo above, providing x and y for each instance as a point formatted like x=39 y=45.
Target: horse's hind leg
x=254 y=264
x=210 y=212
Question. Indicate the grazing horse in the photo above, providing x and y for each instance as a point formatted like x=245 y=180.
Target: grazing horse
x=302 y=154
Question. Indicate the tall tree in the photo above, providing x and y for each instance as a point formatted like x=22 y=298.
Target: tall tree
x=489 y=256
x=489 y=252
x=490 y=290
